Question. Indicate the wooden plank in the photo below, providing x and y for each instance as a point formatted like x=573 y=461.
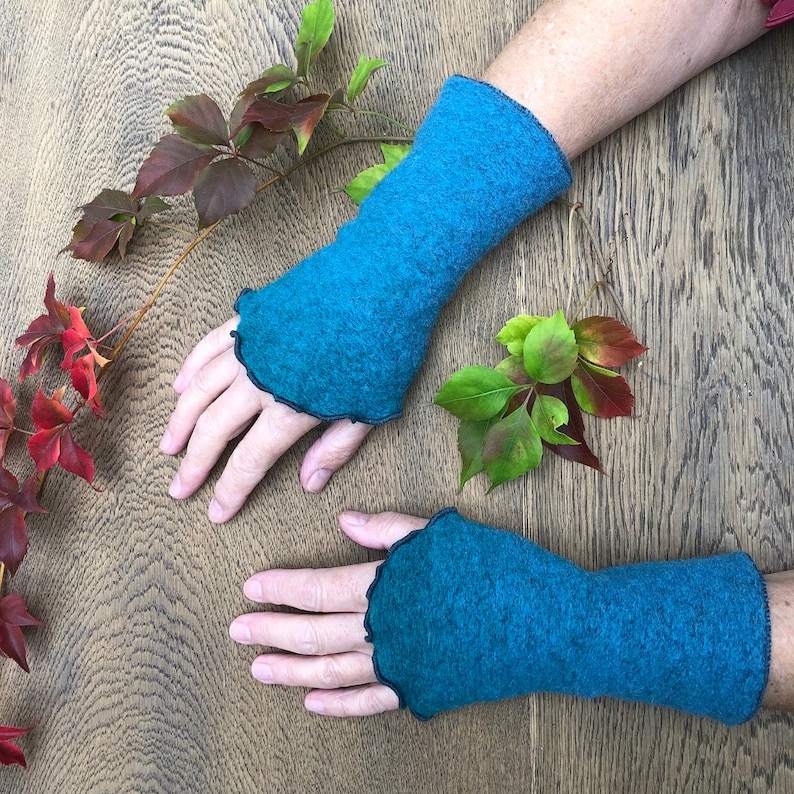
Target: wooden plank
x=134 y=680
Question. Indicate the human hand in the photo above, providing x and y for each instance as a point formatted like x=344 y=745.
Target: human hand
x=217 y=403
x=327 y=650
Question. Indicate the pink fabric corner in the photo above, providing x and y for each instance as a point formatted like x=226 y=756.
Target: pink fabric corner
x=782 y=11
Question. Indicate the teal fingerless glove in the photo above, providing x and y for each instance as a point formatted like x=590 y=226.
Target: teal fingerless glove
x=343 y=333
x=460 y=613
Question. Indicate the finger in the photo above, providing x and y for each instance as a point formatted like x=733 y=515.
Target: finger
x=379 y=531
x=360 y=701
x=205 y=387
x=330 y=452
x=333 y=671
x=214 y=344
x=276 y=430
x=341 y=589
x=222 y=421
x=308 y=635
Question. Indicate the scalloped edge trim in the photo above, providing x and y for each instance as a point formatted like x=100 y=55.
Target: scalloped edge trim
x=370 y=637
x=295 y=406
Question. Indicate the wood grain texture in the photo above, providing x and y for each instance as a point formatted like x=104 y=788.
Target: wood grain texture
x=134 y=679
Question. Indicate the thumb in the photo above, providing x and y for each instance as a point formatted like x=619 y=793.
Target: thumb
x=379 y=531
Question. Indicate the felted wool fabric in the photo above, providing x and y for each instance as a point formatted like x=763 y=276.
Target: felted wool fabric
x=343 y=333
x=460 y=613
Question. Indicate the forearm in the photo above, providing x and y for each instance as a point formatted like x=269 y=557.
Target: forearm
x=586 y=67
x=780 y=688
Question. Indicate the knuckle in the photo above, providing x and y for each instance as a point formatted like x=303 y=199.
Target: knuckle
x=330 y=673
x=307 y=642
x=311 y=595
x=208 y=425
x=247 y=459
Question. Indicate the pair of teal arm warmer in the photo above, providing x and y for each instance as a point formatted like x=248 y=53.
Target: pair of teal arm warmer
x=462 y=613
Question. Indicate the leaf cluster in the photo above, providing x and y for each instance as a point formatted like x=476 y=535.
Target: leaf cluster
x=534 y=398
x=215 y=156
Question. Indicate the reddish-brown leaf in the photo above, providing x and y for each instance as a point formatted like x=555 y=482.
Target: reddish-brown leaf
x=577 y=453
x=98 y=241
x=172 y=167
x=8 y=412
x=306 y=116
x=223 y=188
x=273 y=116
x=606 y=341
x=110 y=204
x=274 y=80
x=13 y=614
x=9 y=752
x=44 y=331
x=77 y=337
x=601 y=392
x=74 y=458
x=199 y=119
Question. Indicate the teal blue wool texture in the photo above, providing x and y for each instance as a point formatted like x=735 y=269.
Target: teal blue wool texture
x=460 y=613
x=343 y=333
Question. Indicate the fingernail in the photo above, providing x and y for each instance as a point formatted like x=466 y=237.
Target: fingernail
x=165 y=441
x=215 y=511
x=316 y=706
x=177 y=385
x=356 y=518
x=253 y=590
x=318 y=480
x=240 y=632
x=175 y=489
x=262 y=672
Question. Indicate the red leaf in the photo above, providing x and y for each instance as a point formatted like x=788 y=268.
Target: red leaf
x=10 y=493
x=45 y=448
x=84 y=377
x=44 y=331
x=260 y=143
x=223 y=188
x=9 y=752
x=576 y=453
x=601 y=392
x=74 y=458
x=77 y=337
x=306 y=116
x=109 y=204
x=8 y=412
x=273 y=116
x=48 y=413
x=606 y=341
x=172 y=167
x=13 y=614
x=13 y=538
x=199 y=119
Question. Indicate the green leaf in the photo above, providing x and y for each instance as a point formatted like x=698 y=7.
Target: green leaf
x=317 y=23
x=365 y=181
x=549 y=413
x=476 y=393
x=511 y=447
x=273 y=81
x=470 y=438
x=550 y=350
x=361 y=74
x=601 y=392
x=512 y=336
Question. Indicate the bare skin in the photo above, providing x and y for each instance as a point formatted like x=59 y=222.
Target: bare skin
x=327 y=651
x=584 y=67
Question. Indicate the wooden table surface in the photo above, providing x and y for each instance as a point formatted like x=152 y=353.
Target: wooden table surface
x=133 y=678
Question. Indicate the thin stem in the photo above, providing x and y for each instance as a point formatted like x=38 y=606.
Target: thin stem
x=2 y=573
x=260 y=164
x=578 y=205
x=386 y=118
x=150 y=222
